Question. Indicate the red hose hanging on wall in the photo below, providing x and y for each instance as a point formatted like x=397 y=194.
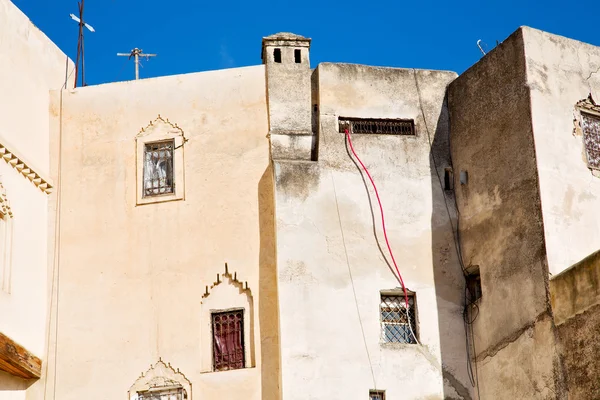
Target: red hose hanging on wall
x=387 y=242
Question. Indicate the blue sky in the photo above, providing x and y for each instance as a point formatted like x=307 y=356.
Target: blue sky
x=191 y=36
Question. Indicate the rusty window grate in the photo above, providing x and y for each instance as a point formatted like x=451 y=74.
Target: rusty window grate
x=158 y=168
x=395 y=319
x=163 y=394
x=591 y=138
x=228 y=340
x=405 y=127
x=376 y=395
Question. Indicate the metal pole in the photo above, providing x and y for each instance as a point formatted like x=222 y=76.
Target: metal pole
x=137 y=64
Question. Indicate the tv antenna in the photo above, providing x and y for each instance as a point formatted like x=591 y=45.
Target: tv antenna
x=480 y=48
x=80 y=53
x=136 y=54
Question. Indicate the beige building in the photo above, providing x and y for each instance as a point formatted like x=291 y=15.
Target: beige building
x=216 y=235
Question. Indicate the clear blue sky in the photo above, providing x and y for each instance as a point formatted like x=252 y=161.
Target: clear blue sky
x=191 y=36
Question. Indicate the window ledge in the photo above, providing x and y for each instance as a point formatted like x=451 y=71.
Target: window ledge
x=158 y=199
x=399 y=346
x=225 y=371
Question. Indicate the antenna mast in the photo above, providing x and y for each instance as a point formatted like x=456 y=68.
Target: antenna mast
x=80 y=49
x=136 y=54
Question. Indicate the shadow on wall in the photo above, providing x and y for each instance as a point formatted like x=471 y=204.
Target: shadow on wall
x=10 y=383
x=458 y=373
x=268 y=310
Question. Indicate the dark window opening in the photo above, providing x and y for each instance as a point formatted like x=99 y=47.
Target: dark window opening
x=277 y=55
x=158 y=168
x=376 y=394
x=474 y=292
x=590 y=125
x=377 y=126
x=398 y=324
x=297 y=56
x=315 y=108
x=448 y=179
x=228 y=340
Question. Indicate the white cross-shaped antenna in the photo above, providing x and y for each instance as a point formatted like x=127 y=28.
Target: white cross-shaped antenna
x=75 y=18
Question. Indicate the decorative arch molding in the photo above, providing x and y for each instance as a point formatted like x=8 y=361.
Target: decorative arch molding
x=232 y=280
x=227 y=294
x=160 y=377
x=6 y=239
x=160 y=126
x=161 y=130
x=5 y=209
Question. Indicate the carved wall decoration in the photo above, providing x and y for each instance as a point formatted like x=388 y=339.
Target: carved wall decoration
x=161 y=382
x=25 y=169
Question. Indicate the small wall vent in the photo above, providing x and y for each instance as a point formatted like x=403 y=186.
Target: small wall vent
x=405 y=127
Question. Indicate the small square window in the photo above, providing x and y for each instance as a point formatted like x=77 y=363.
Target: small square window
x=376 y=394
x=228 y=340
x=398 y=324
x=158 y=168
x=590 y=125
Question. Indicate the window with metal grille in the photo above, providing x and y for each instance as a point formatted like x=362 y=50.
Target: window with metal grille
x=591 y=137
x=378 y=126
x=398 y=325
x=376 y=395
x=158 y=168
x=228 y=340
x=174 y=393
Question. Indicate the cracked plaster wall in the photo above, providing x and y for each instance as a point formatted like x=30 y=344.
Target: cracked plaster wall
x=501 y=226
x=576 y=305
x=324 y=354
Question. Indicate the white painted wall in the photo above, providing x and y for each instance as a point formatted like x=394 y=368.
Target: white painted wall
x=31 y=66
x=329 y=305
x=557 y=72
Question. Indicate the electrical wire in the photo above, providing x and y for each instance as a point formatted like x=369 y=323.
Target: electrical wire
x=387 y=242
x=362 y=329
x=468 y=297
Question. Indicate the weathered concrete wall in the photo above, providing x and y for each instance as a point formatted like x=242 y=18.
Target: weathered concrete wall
x=576 y=305
x=132 y=278
x=31 y=66
x=560 y=72
x=329 y=300
x=501 y=226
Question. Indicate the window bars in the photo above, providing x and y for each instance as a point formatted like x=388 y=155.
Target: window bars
x=158 y=168
x=591 y=137
x=395 y=319
x=163 y=394
x=376 y=395
x=404 y=127
x=228 y=340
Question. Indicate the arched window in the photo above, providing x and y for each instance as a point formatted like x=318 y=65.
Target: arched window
x=161 y=382
x=227 y=325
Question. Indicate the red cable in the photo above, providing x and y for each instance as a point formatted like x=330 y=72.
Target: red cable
x=387 y=242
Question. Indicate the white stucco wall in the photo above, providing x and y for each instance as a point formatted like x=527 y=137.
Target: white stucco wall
x=560 y=72
x=132 y=277
x=31 y=66
x=327 y=303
